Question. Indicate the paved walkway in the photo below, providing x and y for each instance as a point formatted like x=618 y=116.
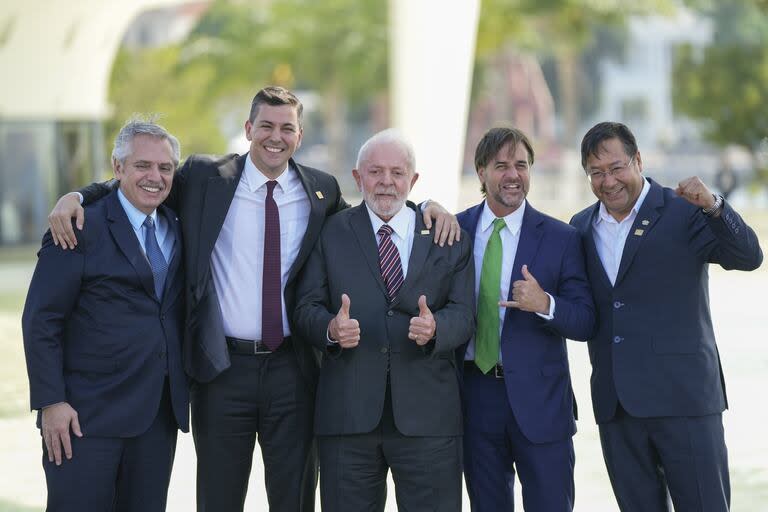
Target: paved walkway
x=738 y=306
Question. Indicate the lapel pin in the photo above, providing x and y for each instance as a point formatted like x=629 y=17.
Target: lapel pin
x=639 y=232
x=424 y=231
x=646 y=222
x=319 y=194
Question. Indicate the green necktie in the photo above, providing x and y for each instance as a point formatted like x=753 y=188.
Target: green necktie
x=487 y=336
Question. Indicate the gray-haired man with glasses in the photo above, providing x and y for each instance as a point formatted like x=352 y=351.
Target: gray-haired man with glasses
x=657 y=387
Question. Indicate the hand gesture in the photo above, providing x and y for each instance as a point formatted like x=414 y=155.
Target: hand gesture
x=527 y=295
x=60 y=220
x=422 y=328
x=56 y=422
x=695 y=192
x=344 y=330
x=446 y=226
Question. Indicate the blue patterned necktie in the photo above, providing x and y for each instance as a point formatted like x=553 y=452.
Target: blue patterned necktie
x=155 y=257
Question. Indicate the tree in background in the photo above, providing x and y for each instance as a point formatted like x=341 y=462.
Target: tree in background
x=725 y=87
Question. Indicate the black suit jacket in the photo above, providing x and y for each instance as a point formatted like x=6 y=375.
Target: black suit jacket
x=424 y=380
x=96 y=336
x=654 y=349
x=202 y=192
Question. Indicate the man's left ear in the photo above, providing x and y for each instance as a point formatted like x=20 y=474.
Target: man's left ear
x=414 y=179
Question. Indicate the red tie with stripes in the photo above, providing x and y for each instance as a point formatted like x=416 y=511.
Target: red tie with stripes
x=271 y=296
x=389 y=262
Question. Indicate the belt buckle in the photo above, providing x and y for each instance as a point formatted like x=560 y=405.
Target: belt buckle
x=498 y=371
x=260 y=348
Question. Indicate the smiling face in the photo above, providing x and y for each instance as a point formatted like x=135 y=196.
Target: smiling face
x=146 y=175
x=275 y=135
x=506 y=179
x=385 y=178
x=618 y=191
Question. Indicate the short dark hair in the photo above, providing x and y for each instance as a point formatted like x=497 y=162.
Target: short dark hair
x=495 y=139
x=590 y=144
x=275 y=95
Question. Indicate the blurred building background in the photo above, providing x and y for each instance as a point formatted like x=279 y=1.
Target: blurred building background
x=687 y=76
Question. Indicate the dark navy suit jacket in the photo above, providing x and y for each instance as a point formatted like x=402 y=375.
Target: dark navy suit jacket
x=533 y=350
x=96 y=336
x=654 y=348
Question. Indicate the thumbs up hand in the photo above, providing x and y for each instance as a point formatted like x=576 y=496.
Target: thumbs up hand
x=342 y=328
x=527 y=295
x=422 y=328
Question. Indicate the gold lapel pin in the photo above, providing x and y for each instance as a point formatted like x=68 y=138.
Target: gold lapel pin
x=639 y=232
x=646 y=222
x=424 y=231
x=319 y=194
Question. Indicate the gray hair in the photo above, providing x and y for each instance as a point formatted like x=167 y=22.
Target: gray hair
x=390 y=135
x=140 y=125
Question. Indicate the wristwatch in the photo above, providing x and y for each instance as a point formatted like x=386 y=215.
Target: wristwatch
x=709 y=212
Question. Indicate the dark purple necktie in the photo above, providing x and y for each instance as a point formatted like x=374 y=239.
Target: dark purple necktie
x=389 y=261
x=271 y=297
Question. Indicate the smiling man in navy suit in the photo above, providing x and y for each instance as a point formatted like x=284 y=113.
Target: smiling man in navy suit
x=532 y=293
x=102 y=334
x=658 y=390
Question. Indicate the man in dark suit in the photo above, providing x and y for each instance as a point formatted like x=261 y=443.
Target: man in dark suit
x=102 y=336
x=388 y=308
x=519 y=405
x=658 y=391
x=250 y=221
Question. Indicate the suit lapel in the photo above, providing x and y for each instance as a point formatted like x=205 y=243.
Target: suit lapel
x=317 y=208
x=219 y=192
x=593 y=258
x=361 y=227
x=646 y=218
x=527 y=246
x=173 y=283
x=468 y=221
x=125 y=238
x=422 y=242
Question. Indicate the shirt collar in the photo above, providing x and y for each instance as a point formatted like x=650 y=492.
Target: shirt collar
x=255 y=179
x=514 y=220
x=135 y=216
x=604 y=216
x=401 y=222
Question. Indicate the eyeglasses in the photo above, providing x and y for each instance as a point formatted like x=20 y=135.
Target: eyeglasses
x=595 y=176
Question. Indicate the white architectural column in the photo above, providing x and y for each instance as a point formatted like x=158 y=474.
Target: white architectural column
x=432 y=50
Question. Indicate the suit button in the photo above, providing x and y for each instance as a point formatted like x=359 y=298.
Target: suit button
x=384 y=350
x=162 y=317
x=617 y=305
x=161 y=355
x=390 y=313
x=618 y=339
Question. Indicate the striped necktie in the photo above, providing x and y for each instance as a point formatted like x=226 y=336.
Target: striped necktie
x=389 y=261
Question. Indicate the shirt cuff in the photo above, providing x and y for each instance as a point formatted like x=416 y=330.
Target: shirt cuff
x=79 y=197
x=328 y=336
x=551 y=313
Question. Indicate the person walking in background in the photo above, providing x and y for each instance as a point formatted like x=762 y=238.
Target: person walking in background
x=658 y=390
x=532 y=293
x=102 y=332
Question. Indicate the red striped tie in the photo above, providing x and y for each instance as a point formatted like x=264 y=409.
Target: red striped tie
x=389 y=261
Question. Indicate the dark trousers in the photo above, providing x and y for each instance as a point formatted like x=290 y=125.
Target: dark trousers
x=647 y=456
x=262 y=396
x=426 y=470
x=116 y=474
x=495 y=448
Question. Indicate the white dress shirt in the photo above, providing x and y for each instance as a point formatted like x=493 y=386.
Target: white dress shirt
x=611 y=235
x=402 y=223
x=165 y=236
x=238 y=257
x=510 y=238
